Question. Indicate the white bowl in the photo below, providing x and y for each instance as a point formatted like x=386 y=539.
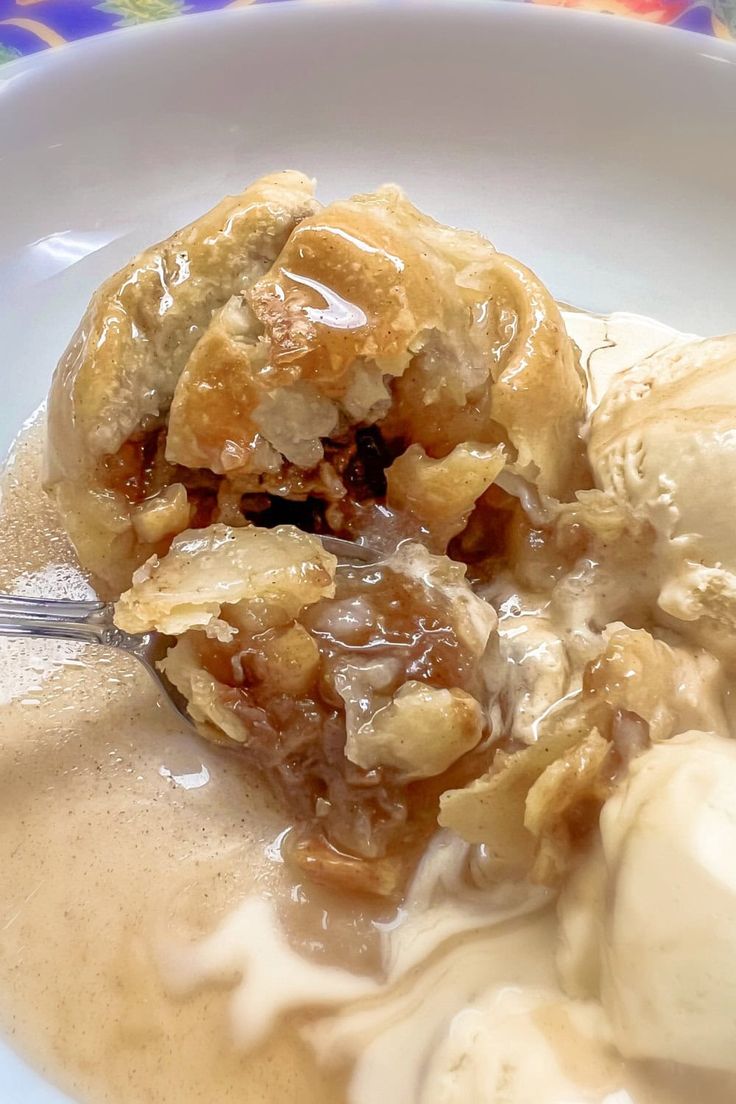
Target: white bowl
x=600 y=151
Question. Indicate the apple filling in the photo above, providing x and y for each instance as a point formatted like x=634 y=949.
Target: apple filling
x=361 y=693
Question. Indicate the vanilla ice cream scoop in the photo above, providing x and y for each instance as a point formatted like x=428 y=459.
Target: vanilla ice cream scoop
x=649 y=924
x=663 y=443
x=512 y=1046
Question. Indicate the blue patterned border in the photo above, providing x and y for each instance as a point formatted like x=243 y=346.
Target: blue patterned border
x=28 y=26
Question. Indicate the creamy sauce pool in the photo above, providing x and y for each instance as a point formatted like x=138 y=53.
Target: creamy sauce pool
x=102 y=851
x=124 y=838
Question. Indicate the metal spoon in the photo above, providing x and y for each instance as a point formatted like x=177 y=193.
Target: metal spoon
x=91 y=622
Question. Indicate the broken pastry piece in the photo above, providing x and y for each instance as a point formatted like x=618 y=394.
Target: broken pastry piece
x=279 y=570
x=341 y=368
x=361 y=694
x=537 y=801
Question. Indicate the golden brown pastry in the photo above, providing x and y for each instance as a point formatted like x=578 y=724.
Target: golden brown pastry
x=113 y=386
x=337 y=368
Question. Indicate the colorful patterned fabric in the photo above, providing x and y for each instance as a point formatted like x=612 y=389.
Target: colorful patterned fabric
x=27 y=26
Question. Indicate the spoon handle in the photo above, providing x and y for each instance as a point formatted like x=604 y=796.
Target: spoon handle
x=57 y=618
